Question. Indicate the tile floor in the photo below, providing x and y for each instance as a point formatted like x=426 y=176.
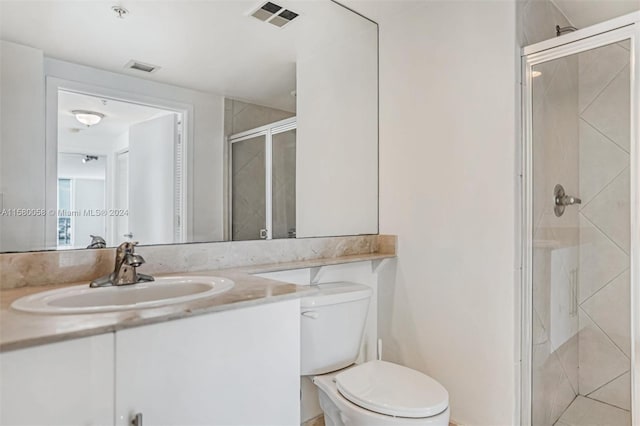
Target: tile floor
x=588 y=412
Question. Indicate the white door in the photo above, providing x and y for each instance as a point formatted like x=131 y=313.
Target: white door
x=121 y=221
x=152 y=146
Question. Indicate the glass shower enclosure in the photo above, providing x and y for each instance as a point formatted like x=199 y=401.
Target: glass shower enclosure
x=262 y=177
x=580 y=227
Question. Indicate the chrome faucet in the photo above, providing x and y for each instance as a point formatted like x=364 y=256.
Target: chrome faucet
x=97 y=242
x=125 y=272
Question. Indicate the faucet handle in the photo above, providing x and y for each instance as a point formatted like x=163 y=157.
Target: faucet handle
x=97 y=242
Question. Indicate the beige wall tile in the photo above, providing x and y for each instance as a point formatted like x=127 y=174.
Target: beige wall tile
x=601 y=160
x=617 y=392
x=609 y=112
x=600 y=360
x=610 y=211
x=609 y=308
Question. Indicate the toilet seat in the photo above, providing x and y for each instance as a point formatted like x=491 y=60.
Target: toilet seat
x=392 y=389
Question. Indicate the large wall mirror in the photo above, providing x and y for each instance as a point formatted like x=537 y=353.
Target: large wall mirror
x=185 y=121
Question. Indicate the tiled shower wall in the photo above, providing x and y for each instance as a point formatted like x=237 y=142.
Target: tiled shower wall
x=604 y=315
x=241 y=116
x=537 y=20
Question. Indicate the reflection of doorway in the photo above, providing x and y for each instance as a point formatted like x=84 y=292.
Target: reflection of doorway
x=140 y=150
x=81 y=198
x=262 y=182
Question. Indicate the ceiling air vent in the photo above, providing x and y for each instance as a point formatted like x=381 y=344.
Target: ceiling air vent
x=141 y=66
x=274 y=14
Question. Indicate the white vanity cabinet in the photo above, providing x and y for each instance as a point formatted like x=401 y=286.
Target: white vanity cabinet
x=237 y=367
x=61 y=384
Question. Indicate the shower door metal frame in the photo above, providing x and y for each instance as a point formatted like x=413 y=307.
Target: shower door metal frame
x=624 y=28
x=268 y=131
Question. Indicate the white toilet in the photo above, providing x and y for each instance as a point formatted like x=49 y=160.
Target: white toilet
x=375 y=393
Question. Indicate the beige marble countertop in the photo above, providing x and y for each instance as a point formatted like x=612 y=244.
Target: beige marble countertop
x=21 y=329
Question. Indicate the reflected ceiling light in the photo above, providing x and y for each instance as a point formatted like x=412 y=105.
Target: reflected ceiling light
x=88 y=118
x=535 y=74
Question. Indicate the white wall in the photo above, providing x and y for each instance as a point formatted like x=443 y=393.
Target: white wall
x=22 y=136
x=337 y=103
x=206 y=154
x=447 y=184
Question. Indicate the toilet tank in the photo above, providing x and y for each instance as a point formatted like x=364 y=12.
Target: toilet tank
x=331 y=326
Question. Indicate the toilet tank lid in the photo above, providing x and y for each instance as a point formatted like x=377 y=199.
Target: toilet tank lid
x=392 y=389
x=334 y=293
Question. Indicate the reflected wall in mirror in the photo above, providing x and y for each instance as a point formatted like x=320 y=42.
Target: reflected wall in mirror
x=185 y=122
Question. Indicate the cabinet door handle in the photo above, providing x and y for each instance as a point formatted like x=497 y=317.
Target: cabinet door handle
x=137 y=420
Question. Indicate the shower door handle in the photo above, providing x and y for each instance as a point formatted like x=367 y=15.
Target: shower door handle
x=567 y=201
x=561 y=200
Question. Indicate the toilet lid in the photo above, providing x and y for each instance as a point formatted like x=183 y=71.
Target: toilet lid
x=392 y=389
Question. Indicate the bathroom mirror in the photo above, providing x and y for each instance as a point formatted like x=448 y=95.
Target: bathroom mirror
x=172 y=122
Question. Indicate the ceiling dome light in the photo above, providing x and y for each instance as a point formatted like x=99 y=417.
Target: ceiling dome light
x=88 y=118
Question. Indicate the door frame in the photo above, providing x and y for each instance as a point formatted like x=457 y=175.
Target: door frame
x=116 y=177
x=268 y=130
x=53 y=86
x=616 y=30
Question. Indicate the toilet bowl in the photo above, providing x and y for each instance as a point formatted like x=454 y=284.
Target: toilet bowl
x=374 y=393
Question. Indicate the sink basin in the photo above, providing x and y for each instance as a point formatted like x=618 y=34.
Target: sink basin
x=161 y=292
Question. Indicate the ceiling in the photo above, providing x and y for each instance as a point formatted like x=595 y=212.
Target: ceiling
x=119 y=116
x=207 y=45
x=584 y=13
x=70 y=165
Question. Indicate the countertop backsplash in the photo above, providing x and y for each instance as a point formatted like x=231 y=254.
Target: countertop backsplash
x=64 y=267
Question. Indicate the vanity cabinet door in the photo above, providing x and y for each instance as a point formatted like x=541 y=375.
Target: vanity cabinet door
x=67 y=383
x=238 y=367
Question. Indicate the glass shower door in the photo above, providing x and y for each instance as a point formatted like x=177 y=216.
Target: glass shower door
x=263 y=182
x=283 y=184
x=580 y=213
x=248 y=196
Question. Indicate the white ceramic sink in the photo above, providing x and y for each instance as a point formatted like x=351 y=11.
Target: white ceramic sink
x=161 y=292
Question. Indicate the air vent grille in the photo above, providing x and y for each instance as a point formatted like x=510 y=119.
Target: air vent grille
x=274 y=14
x=141 y=66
